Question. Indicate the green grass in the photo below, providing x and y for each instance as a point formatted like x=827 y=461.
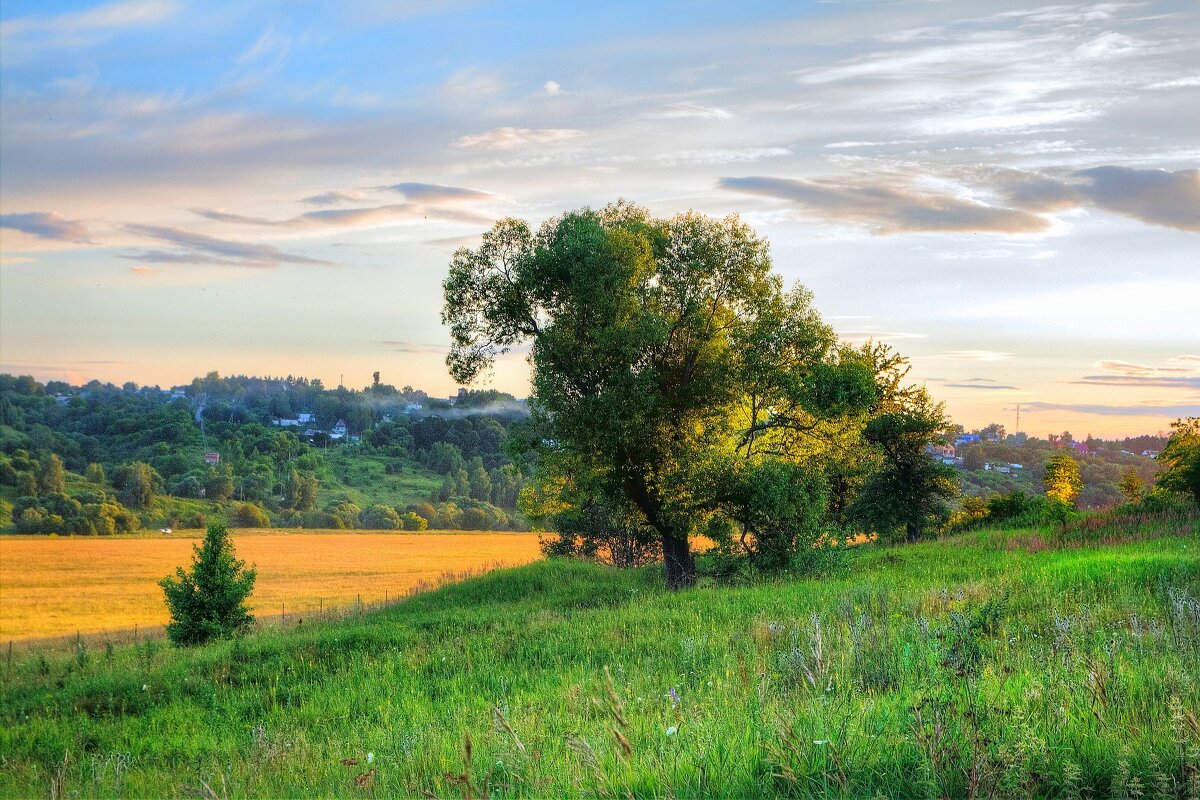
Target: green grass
x=995 y=663
x=361 y=479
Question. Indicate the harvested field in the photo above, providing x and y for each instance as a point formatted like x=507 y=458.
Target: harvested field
x=59 y=586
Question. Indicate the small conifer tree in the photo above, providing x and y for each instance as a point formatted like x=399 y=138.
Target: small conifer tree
x=208 y=602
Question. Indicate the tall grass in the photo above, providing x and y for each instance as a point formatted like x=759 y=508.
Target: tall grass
x=961 y=668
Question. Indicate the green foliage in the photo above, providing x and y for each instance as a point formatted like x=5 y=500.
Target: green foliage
x=209 y=601
x=104 y=427
x=1062 y=479
x=248 y=515
x=412 y=521
x=667 y=358
x=1132 y=486
x=137 y=484
x=780 y=508
x=592 y=529
x=380 y=517
x=61 y=514
x=908 y=493
x=1182 y=459
x=52 y=476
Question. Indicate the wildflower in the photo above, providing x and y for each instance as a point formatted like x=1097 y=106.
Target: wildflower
x=674 y=697
x=370 y=758
x=671 y=731
x=145 y=687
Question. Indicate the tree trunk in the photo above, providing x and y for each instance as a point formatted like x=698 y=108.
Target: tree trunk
x=914 y=532
x=678 y=562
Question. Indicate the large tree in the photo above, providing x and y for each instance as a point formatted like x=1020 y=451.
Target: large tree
x=667 y=359
x=910 y=488
x=1182 y=458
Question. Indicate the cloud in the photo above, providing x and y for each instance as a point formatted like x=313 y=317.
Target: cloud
x=512 y=138
x=333 y=198
x=47 y=225
x=552 y=88
x=112 y=16
x=1128 y=373
x=898 y=202
x=888 y=205
x=978 y=385
x=1189 y=82
x=1142 y=381
x=352 y=217
x=1145 y=410
x=195 y=248
x=872 y=335
x=975 y=355
x=440 y=193
x=1187 y=360
x=691 y=111
x=1171 y=199
x=414 y=348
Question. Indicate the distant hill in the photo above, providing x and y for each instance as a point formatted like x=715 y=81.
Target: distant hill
x=257 y=450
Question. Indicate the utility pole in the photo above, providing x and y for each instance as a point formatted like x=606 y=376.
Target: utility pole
x=1018 y=417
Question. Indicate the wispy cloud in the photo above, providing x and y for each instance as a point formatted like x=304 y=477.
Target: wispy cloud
x=195 y=248
x=888 y=205
x=66 y=30
x=1180 y=372
x=440 y=193
x=1144 y=410
x=975 y=355
x=891 y=202
x=513 y=138
x=47 y=225
x=980 y=383
x=333 y=198
x=353 y=217
x=413 y=347
x=1141 y=381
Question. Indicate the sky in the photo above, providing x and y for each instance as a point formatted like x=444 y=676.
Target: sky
x=1006 y=192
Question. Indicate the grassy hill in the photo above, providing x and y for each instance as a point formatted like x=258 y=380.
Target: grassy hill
x=1013 y=663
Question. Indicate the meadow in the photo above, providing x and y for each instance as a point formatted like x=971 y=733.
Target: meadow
x=60 y=586
x=996 y=663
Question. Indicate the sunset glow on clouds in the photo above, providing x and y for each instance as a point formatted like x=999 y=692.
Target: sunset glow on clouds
x=1007 y=192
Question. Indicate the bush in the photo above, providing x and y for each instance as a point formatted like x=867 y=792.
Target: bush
x=248 y=515
x=209 y=602
x=380 y=517
x=321 y=519
x=412 y=521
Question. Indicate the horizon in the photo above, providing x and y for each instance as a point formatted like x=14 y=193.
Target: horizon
x=1005 y=192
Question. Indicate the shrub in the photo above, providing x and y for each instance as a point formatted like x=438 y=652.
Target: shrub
x=248 y=515
x=412 y=521
x=380 y=517
x=209 y=601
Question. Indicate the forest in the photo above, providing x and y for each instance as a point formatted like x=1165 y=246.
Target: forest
x=105 y=459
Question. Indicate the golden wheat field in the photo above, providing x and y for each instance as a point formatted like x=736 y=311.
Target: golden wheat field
x=57 y=587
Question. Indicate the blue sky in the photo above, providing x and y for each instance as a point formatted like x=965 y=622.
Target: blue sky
x=1006 y=191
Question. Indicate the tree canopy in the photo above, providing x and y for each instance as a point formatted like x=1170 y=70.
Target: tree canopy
x=209 y=600
x=1182 y=458
x=672 y=372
